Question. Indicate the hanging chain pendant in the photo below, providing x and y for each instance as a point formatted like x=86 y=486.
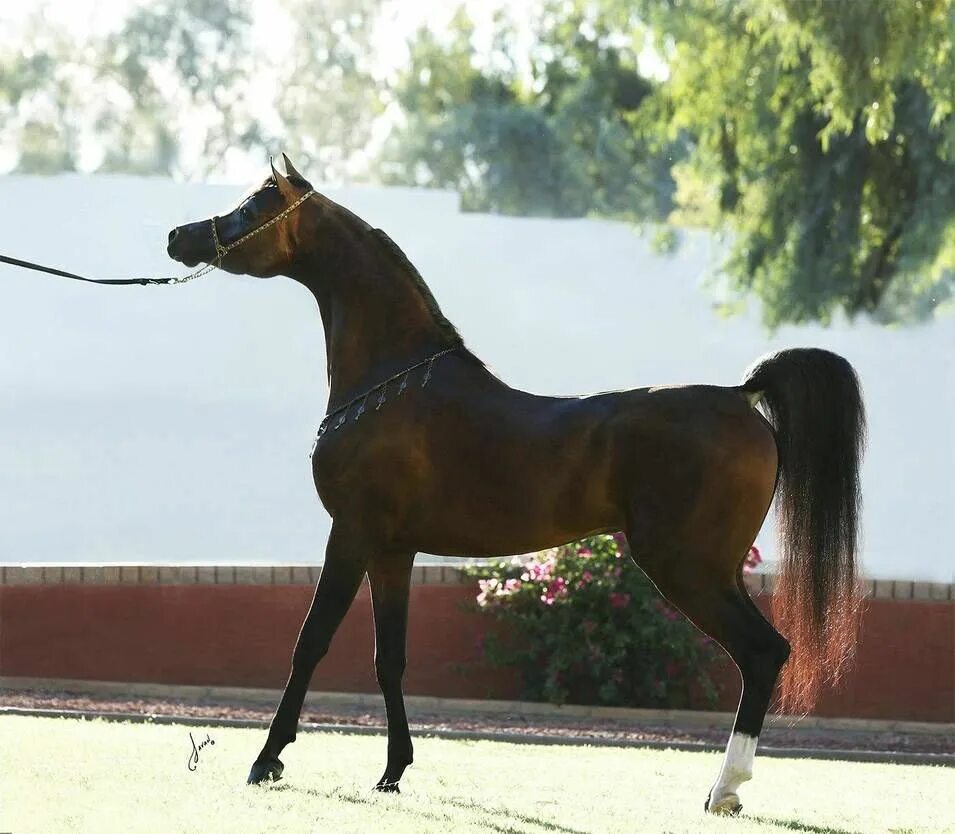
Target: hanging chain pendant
x=382 y=388
x=361 y=408
x=427 y=375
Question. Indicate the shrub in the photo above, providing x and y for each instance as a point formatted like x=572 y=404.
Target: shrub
x=584 y=625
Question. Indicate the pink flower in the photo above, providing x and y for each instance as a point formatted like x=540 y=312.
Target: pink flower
x=619 y=600
x=540 y=571
x=584 y=552
x=488 y=587
x=752 y=560
x=491 y=590
x=556 y=589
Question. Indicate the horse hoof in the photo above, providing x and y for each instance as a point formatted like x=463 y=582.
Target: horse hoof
x=728 y=806
x=269 y=770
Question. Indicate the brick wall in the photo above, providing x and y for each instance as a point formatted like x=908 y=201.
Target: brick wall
x=235 y=626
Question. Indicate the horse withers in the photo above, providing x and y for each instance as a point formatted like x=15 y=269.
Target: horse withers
x=423 y=449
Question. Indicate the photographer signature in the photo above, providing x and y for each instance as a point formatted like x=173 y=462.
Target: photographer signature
x=194 y=755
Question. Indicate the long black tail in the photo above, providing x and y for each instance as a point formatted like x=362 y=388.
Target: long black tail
x=814 y=401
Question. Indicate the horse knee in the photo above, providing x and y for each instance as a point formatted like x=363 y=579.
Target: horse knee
x=389 y=668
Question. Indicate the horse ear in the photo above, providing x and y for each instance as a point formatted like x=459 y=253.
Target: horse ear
x=286 y=189
x=290 y=169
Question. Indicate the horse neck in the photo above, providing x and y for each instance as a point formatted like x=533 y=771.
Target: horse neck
x=376 y=319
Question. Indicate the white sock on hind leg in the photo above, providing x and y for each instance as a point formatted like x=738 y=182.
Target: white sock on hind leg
x=737 y=768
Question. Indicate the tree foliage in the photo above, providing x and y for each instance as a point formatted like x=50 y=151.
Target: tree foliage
x=824 y=134
x=818 y=134
x=171 y=70
x=179 y=85
x=563 y=136
x=327 y=97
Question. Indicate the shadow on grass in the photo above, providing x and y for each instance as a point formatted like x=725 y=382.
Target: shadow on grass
x=804 y=827
x=507 y=826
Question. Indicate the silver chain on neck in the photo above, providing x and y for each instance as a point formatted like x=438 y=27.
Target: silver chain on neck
x=382 y=389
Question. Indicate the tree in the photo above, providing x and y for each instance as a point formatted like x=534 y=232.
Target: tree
x=823 y=133
x=818 y=133
x=562 y=136
x=328 y=98
x=175 y=73
x=39 y=100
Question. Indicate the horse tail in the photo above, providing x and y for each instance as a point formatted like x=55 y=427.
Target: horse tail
x=814 y=401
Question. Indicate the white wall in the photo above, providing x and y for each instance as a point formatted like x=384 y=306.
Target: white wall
x=153 y=424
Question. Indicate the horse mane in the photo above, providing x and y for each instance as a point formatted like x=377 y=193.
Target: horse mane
x=400 y=259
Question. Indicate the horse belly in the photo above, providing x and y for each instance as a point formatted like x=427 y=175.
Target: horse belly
x=521 y=493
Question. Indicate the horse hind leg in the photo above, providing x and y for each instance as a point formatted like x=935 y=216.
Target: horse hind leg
x=718 y=604
x=759 y=652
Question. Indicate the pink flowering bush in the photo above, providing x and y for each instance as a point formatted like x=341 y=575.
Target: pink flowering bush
x=584 y=625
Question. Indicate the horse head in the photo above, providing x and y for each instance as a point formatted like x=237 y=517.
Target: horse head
x=258 y=237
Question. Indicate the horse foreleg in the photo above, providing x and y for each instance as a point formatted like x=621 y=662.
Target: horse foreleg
x=390 y=580
x=346 y=558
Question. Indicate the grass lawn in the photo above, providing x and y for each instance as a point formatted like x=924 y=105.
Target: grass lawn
x=65 y=775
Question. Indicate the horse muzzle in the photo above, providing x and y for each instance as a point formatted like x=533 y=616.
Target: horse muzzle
x=191 y=245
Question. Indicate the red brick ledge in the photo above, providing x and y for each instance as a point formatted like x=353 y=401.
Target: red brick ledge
x=758 y=583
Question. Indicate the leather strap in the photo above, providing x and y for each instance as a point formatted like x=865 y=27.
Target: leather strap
x=75 y=277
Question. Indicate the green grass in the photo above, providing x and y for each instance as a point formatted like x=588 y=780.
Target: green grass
x=64 y=775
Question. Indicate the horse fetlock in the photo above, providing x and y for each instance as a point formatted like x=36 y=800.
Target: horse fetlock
x=737 y=769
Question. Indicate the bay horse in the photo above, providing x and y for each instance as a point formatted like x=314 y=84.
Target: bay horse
x=424 y=449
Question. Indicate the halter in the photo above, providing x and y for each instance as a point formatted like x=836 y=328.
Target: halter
x=221 y=252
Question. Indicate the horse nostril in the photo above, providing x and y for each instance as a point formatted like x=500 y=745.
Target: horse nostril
x=173 y=234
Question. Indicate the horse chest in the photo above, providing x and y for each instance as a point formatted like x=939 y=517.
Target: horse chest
x=358 y=471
